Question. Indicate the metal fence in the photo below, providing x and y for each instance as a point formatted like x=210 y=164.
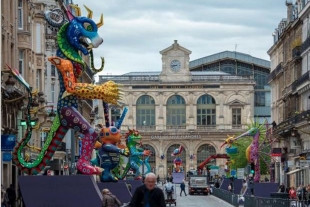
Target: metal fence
x=227 y=196
x=273 y=202
x=251 y=201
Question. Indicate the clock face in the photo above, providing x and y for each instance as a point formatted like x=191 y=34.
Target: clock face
x=175 y=65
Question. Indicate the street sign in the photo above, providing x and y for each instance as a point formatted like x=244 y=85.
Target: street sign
x=233 y=173
x=240 y=173
x=6 y=157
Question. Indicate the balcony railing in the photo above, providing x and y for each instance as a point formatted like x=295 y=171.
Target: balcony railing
x=275 y=72
x=146 y=128
x=184 y=128
x=296 y=52
x=305 y=45
x=156 y=78
x=291 y=122
x=302 y=79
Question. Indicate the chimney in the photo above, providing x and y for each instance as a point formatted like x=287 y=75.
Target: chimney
x=289 y=5
x=175 y=45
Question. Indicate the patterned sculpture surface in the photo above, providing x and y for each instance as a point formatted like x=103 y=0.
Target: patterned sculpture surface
x=71 y=39
x=255 y=150
x=177 y=162
x=109 y=148
x=133 y=142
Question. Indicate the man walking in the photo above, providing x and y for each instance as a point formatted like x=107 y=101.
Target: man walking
x=109 y=200
x=148 y=195
x=182 y=188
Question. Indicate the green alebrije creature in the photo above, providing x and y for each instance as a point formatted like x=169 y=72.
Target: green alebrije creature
x=49 y=138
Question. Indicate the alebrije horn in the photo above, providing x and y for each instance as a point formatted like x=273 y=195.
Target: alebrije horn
x=120 y=121
x=106 y=114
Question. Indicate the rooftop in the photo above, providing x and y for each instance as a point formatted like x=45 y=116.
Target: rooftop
x=197 y=76
x=157 y=73
x=229 y=54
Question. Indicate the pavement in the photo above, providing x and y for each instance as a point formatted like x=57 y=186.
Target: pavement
x=197 y=200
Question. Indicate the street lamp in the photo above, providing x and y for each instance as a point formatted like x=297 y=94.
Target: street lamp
x=10 y=84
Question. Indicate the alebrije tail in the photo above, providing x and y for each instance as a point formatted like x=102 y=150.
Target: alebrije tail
x=147 y=164
x=127 y=168
x=106 y=114
x=34 y=168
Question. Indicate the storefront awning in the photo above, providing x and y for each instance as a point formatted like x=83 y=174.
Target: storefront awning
x=294 y=171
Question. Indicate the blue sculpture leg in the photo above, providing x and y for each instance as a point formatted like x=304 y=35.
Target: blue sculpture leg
x=136 y=168
x=106 y=175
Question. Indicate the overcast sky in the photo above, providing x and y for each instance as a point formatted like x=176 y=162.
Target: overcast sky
x=136 y=30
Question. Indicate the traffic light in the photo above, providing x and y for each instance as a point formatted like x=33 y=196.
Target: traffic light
x=252 y=169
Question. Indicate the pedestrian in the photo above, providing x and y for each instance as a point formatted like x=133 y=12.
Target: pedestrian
x=230 y=187
x=148 y=195
x=244 y=187
x=109 y=200
x=11 y=195
x=182 y=186
x=169 y=190
x=158 y=179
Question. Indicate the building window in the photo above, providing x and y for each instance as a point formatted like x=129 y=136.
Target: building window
x=176 y=111
x=236 y=116
x=115 y=115
x=53 y=71
x=38 y=38
x=206 y=111
x=53 y=92
x=260 y=98
x=152 y=158
x=20 y=14
x=21 y=62
x=145 y=111
x=170 y=158
x=38 y=79
x=204 y=152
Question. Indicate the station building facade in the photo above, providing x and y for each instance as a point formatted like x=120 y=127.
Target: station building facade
x=177 y=105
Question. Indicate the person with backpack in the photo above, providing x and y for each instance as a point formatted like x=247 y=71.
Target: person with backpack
x=109 y=200
x=169 y=190
x=182 y=186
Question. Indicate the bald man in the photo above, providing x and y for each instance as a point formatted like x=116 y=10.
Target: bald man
x=148 y=195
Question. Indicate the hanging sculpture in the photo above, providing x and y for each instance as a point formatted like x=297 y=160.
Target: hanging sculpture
x=134 y=144
x=109 y=147
x=72 y=38
x=257 y=148
x=177 y=162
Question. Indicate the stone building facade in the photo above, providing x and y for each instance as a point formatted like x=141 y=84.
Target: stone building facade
x=174 y=106
x=289 y=81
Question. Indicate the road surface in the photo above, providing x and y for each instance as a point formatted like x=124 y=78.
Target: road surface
x=198 y=200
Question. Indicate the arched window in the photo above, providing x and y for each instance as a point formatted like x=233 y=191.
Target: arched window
x=145 y=116
x=152 y=158
x=203 y=152
x=206 y=111
x=170 y=158
x=176 y=111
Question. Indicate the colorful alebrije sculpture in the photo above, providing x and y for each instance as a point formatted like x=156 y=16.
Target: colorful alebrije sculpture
x=255 y=150
x=177 y=162
x=109 y=148
x=71 y=39
x=133 y=142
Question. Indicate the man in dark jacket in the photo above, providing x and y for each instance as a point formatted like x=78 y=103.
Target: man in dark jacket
x=12 y=195
x=182 y=188
x=148 y=195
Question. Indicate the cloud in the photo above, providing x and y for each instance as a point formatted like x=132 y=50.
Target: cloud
x=135 y=31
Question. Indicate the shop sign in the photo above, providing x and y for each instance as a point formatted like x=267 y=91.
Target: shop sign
x=6 y=157
x=8 y=142
x=184 y=136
